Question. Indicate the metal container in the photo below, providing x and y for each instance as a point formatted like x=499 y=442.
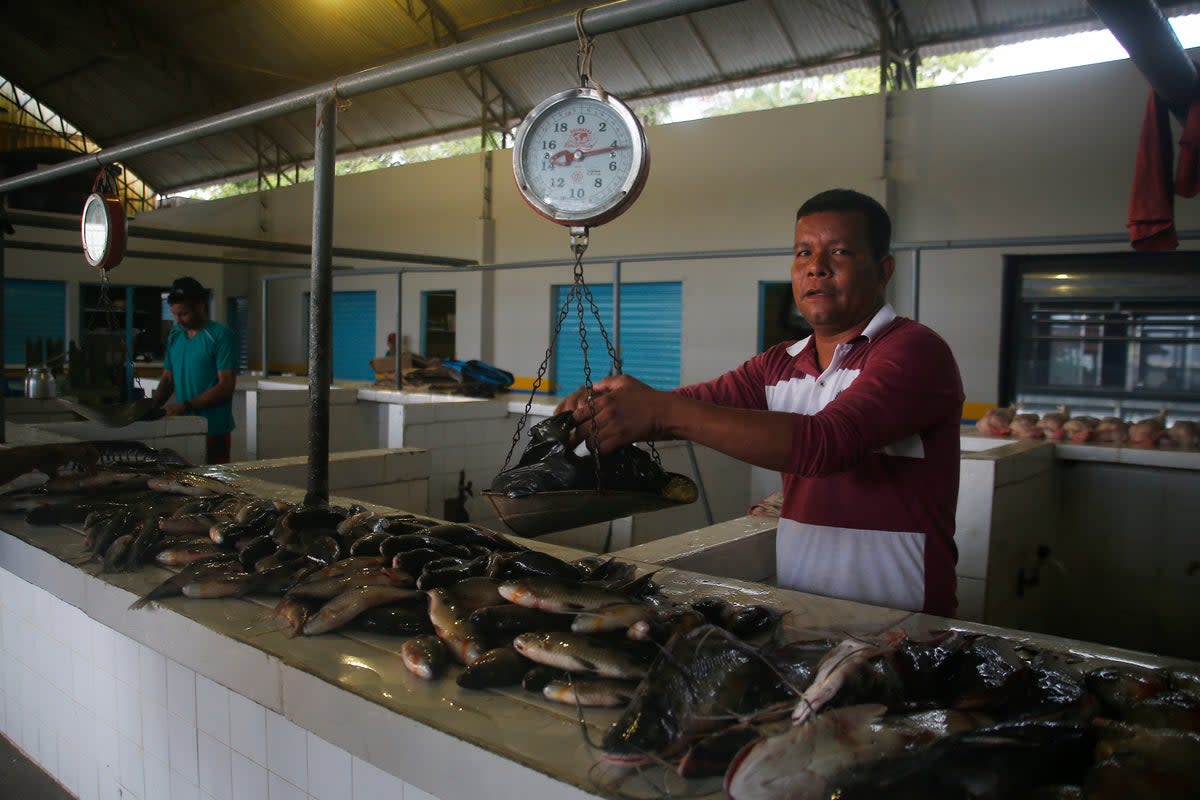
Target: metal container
x=39 y=383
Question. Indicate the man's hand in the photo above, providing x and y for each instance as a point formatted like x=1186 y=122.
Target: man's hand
x=174 y=410
x=626 y=411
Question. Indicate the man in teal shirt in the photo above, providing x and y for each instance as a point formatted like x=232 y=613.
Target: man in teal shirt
x=200 y=367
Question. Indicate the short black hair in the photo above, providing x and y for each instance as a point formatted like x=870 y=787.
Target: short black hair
x=186 y=290
x=878 y=223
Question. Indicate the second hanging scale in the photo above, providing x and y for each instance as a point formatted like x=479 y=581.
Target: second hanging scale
x=580 y=159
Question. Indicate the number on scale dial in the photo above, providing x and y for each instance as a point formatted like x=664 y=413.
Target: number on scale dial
x=580 y=157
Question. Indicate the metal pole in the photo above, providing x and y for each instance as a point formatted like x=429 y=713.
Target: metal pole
x=320 y=329
x=616 y=331
x=36 y=220
x=265 y=326
x=1145 y=33
x=602 y=19
x=4 y=227
x=399 y=322
x=916 y=284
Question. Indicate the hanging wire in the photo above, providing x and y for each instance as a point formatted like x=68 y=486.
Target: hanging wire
x=583 y=57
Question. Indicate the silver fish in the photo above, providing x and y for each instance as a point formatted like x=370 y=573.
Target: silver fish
x=347 y=605
x=425 y=656
x=590 y=692
x=563 y=597
x=575 y=653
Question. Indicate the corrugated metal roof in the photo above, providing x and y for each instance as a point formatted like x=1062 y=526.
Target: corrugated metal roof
x=118 y=71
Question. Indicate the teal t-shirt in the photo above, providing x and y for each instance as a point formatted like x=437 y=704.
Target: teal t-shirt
x=194 y=364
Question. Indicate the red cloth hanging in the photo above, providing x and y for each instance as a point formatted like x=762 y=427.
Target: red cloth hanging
x=1151 y=202
x=1187 y=168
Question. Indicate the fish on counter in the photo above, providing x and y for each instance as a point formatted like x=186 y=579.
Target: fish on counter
x=1111 y=430
x=1183 y=435
x=1078 y=430
x=588 y=692
x=1026 y=426
x=1052 y=423
x=800 y=762
x=425 y=656
x=1147 y=432
x=996 y=422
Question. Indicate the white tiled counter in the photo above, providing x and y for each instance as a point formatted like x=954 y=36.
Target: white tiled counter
x=202 y=699
x=396 y=478
x=277 y=420
x=185 y=434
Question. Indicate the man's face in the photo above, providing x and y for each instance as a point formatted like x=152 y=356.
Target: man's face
x=837 y=281
x=189 y=315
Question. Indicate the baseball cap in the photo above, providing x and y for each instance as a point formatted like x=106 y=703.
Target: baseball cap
x=186 y=289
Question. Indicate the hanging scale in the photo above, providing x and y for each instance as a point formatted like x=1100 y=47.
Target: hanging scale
x=580 y=159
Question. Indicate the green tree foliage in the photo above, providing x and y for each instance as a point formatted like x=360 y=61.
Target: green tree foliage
x=932 y=71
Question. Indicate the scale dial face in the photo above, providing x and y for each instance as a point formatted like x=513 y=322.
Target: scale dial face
x=103 y=230
x=580 y=157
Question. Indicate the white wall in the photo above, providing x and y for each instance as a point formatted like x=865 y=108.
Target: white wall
x=1032 y=155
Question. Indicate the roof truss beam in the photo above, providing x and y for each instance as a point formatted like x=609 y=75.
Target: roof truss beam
x=496 y=105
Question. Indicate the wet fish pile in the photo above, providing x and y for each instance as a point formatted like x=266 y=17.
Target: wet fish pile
x=971 y=716
x=704 y=688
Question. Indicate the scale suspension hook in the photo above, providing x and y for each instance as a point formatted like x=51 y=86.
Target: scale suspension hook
x=579 y=240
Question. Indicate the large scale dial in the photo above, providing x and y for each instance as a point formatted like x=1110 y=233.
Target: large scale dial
x=580 y=157
x=102 y=227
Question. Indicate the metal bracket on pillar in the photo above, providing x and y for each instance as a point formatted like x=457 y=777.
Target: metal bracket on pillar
x=898 y=57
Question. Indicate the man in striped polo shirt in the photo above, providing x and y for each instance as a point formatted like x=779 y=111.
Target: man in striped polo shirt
x=861 y=418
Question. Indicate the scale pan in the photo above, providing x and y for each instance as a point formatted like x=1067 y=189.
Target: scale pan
x=117 y=415
x=546 y=512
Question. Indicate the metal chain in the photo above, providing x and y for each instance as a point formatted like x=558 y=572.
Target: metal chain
x=593 y=436
x=616 y=359
x=541 y=373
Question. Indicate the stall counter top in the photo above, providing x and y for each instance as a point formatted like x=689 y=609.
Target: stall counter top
x=976 y=445
x=351 y=688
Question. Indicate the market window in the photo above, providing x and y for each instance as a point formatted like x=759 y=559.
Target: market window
x=1108 y=333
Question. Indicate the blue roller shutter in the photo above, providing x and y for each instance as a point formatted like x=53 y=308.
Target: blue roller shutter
x=35 y=310
x=651 y=328
x=651 y=332
x=568 y=355
x=353 y=335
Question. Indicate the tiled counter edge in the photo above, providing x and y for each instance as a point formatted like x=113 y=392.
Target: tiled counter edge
x=94 y=699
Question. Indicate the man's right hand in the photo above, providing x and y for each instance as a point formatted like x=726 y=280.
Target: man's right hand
x=626 y=410
x=173 y=410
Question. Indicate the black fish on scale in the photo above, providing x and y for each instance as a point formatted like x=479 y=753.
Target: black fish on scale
x=549 y=464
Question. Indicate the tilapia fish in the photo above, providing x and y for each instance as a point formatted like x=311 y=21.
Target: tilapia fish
x=425 y=656
x=698 y=683
x=559 y=596
x=450 y=612
x=573 y=652
x=590 y=692
x=349 y=604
